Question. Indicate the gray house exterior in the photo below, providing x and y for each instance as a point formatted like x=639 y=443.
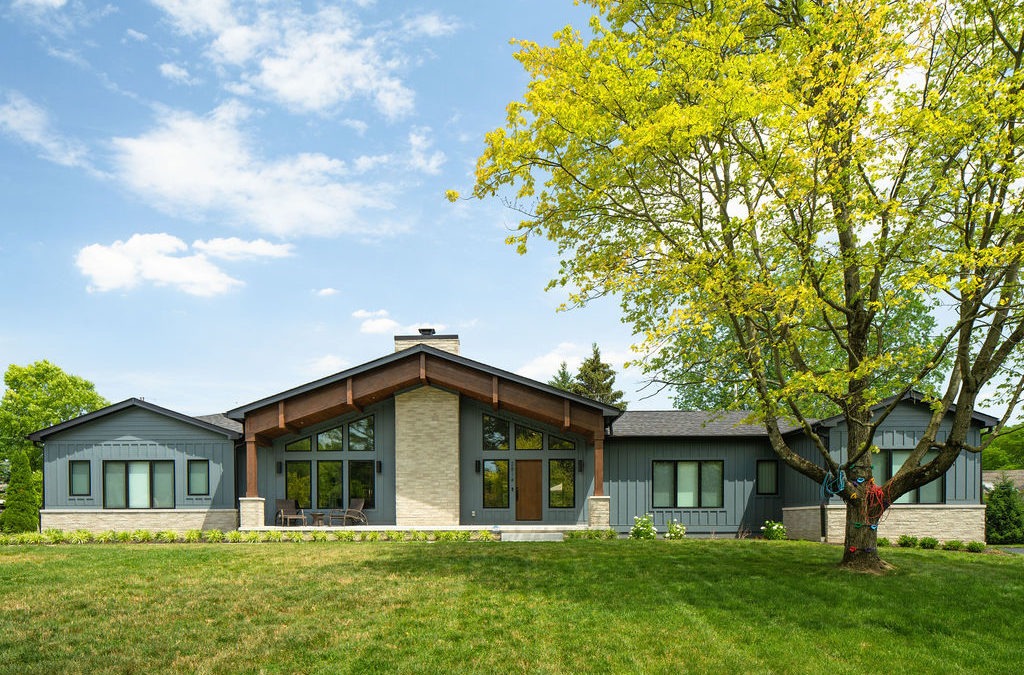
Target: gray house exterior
x=427 y=438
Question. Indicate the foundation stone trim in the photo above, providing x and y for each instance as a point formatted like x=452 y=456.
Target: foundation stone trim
x=154 y=520
x=251 y=512
x=599 y=509
x=965 y=522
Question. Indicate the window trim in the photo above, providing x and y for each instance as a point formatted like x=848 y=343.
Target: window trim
x=309 y=466
x=372 y=437
x=71 y=477
x=188 y=478
x=508 y=479
x=916 y=492
x=700 y=483
x=127 y=494
x=483 y=433
x=757 y=477
x=572 y=475
x=367 y=506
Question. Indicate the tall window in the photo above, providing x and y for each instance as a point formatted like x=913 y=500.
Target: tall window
x=562 y=483
x=138 y=485
x=767 y=477
x=495 y=433
x=198 y=477
x=886 y=463
x=79 y=478
x=495 y=483
x=360 y=435
x=329 y=485
x=298 y=483
x=361 y=482
x=688 y=484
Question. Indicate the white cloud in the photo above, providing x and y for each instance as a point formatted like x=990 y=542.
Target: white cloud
x=38 y=5
x=326 y=292
x=160 y=259
x=544 y=366
x=367 y=314
x=133 y=34
x=358 y=126
x=375 y=322
x=309 y=62
x=326 y=365
x=430 y=25
x=365 y=163
x=233 y=248
x=176 y=73
x=24 y=120
x=204 y=166
x=419 y=145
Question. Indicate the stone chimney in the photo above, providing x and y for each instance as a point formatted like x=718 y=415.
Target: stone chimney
x=428 y=336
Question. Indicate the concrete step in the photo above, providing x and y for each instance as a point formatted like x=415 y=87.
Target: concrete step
x=531 y=536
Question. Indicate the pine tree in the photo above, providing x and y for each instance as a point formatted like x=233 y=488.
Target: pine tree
x=1004 y=514
x=596 y=380
x=564 y=380
x=21 y=510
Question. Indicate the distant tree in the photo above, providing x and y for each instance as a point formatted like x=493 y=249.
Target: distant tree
x=1004 y=514
x=40 y=395
x=596 y=380
x=21 y=509
x=563 y=379
x=1006 y=451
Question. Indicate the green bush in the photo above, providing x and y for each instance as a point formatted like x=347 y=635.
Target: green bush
x=295 y=537
x=124 y=536
x=345 y=535
x=883 y=542
x=55 y=536
x=318 y=535
x=167 y=536
x=80 y=537
x=975 y=546
x=643 y=528
x=272 y=536
x=214 y=536
x=1004 y=514
x=906 y=541
x=484 y=535
x=5 y=539
x=193 y=536
x=929 y=542
x=676 y=530
x=590 y=534
x=953 y=545
x=21 y=508
x=235 y=536
x=773 y=530
x=252 y=537
x=29 y=538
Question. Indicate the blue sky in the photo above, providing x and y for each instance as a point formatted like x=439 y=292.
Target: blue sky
x=205 y=202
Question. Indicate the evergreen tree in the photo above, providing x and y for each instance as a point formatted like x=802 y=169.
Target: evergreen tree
x=1004 y=514
x=596 y=380
x=564 y=380
x=21 y=510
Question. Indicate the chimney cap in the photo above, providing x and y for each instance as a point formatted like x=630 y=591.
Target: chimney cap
x=427 y=331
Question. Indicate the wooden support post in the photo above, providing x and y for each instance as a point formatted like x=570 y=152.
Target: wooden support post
x=494 y=391
x=423 y=368
x=567 y=422
x=250 y=468
x=599 y=465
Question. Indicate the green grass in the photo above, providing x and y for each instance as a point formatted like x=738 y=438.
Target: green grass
x=606 y=606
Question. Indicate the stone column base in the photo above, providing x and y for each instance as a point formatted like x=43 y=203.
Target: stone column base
x=251 y=513
x=599 y=511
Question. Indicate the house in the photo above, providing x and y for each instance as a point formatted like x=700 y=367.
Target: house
x=426 y=437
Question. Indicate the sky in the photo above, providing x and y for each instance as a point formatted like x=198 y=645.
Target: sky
x=205 y=202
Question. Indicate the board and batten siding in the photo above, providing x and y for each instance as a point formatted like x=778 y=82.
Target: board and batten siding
x=137 y=434
x=629 y=468
x=901 y=430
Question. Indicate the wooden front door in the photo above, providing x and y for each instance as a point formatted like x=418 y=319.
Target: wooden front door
x=528 y=489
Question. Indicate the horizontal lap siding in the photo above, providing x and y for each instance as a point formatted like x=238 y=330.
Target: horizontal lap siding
x=628 y=469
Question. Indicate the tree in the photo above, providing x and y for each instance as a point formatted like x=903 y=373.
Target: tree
x=40 y=395
x=21 y=508
x=1004 y=514
x=1005 y=450
x=596 y=380
x=563 y=379
x=800 y=205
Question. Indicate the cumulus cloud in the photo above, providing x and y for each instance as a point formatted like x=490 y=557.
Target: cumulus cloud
x=38 y=5
x=375 y=322
x=135 y=35
x=326 y=292
x=29 y=123
x=160 y=259
x=176 y=73
x=420 y=157
x=544 y=366
x=204 y=166
x=306 y=61
x=233 y=248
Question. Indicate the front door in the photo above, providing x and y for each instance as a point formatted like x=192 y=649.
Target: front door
x=528 y=489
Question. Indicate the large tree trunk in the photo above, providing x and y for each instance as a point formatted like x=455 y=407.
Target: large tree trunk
x=861 y=540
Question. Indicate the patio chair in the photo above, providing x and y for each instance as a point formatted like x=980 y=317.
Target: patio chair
x=288 y=513
x=353 y=515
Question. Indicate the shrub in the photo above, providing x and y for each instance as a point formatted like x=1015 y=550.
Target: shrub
x=28 y=538
x=1004 y=514
x=21 y=508
x=929 y=542
x=484 y=535
x=643 y=527
x=953 y=545
x=318 y=535
x=167 y=536
x=420 y=535
x=124 y=536
x=906 y=541
x=345 y=535
x=80 y=537
x=373 y=535
x=272 y=536
x=5 y=539
x=214 y=536
x=54 y=536
x=676 y=530
x=975 y=546
x=193 y=536
x=883 y=542
x=773 y=530
x=142 y=536
x=590 y=534
x=252 y=537
x=295 y=537
x=235 y=536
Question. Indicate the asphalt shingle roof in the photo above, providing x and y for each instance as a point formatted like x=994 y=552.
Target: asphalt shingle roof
x=655 y=423
x=221 y=421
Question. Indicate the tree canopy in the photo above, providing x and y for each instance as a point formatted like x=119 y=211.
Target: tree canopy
x=40 y=395
x=802 y=206
x=595 y=379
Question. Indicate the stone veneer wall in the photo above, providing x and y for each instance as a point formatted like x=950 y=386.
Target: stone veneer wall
x=426 y=457
x=599 y=512
x=154 y=520
x=965 y=522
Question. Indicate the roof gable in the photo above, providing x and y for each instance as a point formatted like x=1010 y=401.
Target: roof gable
x=43 y=434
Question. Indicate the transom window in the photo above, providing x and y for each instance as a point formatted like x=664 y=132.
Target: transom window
x=688 y=484
x=496 y=433
x=360 y=438
x=301 y=445
x=138 y=485
x=528 y=439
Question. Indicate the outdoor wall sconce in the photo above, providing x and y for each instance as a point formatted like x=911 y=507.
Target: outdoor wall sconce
x=280 y=468
x=579 y=466
x=476 y=465
x=380 y=466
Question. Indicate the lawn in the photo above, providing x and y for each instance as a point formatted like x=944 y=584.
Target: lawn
x=607 y=606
